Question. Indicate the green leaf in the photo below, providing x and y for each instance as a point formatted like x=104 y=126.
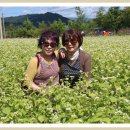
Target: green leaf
x=41 y=118
x=6 y=110
x=77 y=121
x=113 y=99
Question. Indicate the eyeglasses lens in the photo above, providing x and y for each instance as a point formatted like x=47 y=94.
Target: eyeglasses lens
x=53 y=45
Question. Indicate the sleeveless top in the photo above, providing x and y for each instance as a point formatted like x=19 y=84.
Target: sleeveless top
x=49 y=74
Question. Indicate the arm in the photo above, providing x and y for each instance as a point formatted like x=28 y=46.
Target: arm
x=30 y=74
x=62 y=53
x=87 y=66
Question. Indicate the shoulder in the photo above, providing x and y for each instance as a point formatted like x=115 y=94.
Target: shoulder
x=33 y=60
x=84 y=55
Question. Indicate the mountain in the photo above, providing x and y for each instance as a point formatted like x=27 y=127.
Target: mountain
x=35 y=18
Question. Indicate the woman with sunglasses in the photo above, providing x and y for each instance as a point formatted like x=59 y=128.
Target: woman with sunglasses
x=76 y=60
x=43 y=67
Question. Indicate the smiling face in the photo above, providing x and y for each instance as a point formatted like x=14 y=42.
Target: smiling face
x=72 y=40
x=48 y=47
x=48 y=42
x=71 y=45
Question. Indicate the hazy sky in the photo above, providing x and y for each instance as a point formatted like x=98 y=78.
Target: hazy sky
x=64 y=11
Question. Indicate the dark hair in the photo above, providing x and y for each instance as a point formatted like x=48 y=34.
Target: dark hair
x=48 y=35
x=72 y=33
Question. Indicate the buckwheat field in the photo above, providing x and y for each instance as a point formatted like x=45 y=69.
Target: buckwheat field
x=104 y=99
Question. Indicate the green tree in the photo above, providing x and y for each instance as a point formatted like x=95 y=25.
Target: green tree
x=113 y=19
x=71 y=24
x=28 y=29
x=100 y=17
x=11 y=31
x=58 y=26
x=41 y=27
x=126 y=17
x=90 y=25
x=81 y=19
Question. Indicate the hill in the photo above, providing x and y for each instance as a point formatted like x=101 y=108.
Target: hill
x=35 y=18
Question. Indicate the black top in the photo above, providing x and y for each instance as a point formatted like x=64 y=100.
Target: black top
x=82 y=64
x=72 y=71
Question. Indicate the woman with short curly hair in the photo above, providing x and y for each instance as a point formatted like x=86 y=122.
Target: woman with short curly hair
x=76 y=60
x=43 y=67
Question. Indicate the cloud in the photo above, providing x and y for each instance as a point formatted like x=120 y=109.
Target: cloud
x=66 y=11
x=27 y=11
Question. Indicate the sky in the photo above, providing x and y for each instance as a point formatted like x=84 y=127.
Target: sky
x=66 y=11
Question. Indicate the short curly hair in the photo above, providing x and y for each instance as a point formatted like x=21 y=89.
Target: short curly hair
x=48 y=35
x=72 y=33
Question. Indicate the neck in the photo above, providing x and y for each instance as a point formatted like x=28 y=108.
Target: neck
x=73 y=56
x=70 y=54
x=46 y=57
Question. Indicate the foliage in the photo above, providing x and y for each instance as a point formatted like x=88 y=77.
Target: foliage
x=10 y=31
x=126 y=17
x=114 y=20
x=104 y=99
x=100 y=17
x=58 y=26
x=71 y=24
x=47 y=17
x=41 y=28
x=81 y=19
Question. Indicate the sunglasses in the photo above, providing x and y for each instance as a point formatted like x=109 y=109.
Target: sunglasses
x=52 y=45
x=73 y=42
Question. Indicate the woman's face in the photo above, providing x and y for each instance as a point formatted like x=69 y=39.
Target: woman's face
x=72 y=45
x=48 y=47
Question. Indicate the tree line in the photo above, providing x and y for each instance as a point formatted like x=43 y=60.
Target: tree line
x=116 y=20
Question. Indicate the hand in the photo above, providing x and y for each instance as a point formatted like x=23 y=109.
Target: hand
x=35 y=87
x=62 y=53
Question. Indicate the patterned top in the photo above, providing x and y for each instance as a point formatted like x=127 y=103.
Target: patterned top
x=82 y=64
x=47 y=72
x=71 y=71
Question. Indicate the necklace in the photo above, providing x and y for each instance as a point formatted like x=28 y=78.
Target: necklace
x=49 y=66
x=47 y=60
